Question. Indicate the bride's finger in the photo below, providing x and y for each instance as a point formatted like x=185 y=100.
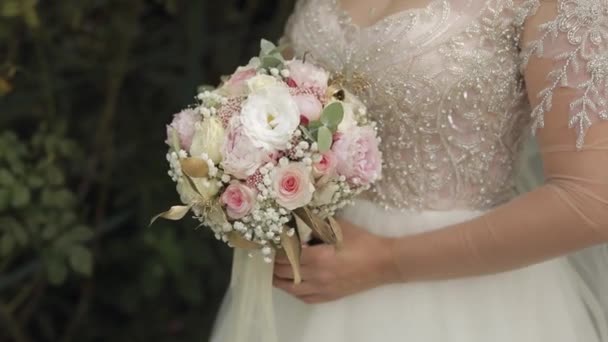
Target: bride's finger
x=283 y=271
x=312 y=299
x=302 y=289
x=281 y=258
x=317 y=255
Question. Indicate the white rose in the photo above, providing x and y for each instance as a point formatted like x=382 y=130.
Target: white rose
x=259 y=82
x=208 y=138
x=269 y=117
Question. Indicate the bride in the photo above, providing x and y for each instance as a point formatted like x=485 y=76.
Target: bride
x=442 y=249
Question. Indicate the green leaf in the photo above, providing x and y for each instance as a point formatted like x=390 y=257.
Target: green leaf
x=21 y=196
x=307 y=133
x=7 y=244
x=313 y=128
x=266 y=47
x=332 y=115
x=81 y=234
x=4 y=199
x=81 y=260
x=49 y=231
x=324 y=139
x=6 y=178
x=271 y=62
x=54 y=175
x=35 y=181
x=56 y=271
x=18 y=232
x=278 y=50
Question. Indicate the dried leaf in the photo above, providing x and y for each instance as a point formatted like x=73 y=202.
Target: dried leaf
x=175 y=213
x=337 y=230
x=195 y=167
x=321 y=228
x=293 y=250
x=239 y=241
x=216 y=214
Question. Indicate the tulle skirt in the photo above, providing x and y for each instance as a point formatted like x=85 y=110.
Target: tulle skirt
x=541 y=303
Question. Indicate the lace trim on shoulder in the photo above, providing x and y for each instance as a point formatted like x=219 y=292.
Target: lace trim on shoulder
x=585 y=26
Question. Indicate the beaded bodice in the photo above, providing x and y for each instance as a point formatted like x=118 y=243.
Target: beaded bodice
x=443 y=83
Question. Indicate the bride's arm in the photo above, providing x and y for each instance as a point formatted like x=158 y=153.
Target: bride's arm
x=570 y=211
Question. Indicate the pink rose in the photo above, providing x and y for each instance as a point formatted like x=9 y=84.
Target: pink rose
x=293 y=186
x=326 y=166
x=307 y=75
x=240 y=158
x=237 y=83
x=183 y=124
x=358 y=156
x=309 y=106
x=238 y=199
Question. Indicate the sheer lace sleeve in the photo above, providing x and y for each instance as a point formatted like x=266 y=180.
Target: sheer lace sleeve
x=566 y=72
x=572 y=35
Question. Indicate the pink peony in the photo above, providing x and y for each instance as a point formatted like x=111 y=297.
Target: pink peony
x=326 y=166
x=309 y=106
x=293 y=186
x=307 y=75
x=183 y=124
x=238 y=199
x=240 y=158
x=358 y=156
x=237 y=83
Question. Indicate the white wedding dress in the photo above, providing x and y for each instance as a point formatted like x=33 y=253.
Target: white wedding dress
x=444 y=83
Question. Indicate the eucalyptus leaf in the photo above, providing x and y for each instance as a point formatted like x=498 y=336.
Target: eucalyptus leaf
x=279 y=49
x=324 y=139
x=307 y=133
x=266 y=47
x=271 y=62
x=333 y=115
x=313 y=128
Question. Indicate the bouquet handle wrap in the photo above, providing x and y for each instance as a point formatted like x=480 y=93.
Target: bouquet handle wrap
x=249 y=309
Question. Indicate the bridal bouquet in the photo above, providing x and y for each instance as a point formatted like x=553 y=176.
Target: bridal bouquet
x=273 y=152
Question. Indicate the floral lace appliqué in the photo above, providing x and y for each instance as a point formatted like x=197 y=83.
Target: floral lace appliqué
x=584 y=25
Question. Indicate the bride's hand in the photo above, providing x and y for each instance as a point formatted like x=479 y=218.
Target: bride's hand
x=364 y=261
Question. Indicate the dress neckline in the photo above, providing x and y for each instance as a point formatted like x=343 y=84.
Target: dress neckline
x=347 y=19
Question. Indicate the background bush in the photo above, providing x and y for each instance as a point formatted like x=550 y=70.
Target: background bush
x=86 y=87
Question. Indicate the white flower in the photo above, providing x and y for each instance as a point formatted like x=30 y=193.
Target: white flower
x=260 y=82
x=270 y=117
x=241 y=158
x=208 y=138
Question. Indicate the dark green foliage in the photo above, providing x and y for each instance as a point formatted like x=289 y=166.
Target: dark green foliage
x=86 y=87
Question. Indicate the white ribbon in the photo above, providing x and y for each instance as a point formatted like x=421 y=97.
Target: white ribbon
x=248 y=311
